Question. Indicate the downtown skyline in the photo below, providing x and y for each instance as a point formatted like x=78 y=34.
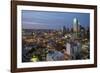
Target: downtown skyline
x=52 y=20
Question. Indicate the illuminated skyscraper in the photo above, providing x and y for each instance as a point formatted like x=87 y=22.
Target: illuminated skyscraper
x=76 y=27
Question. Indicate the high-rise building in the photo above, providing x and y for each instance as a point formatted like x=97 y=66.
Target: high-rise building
x=64 y=30
x=76 y=27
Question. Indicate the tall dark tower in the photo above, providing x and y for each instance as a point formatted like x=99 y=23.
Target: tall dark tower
x=64 y=30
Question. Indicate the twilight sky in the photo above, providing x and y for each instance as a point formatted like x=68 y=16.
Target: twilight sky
x=52 y=20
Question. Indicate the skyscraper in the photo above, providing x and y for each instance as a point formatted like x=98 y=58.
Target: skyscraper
x=76 y=27
x=64 y=30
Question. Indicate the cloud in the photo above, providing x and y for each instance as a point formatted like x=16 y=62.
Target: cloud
x=34 y=25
